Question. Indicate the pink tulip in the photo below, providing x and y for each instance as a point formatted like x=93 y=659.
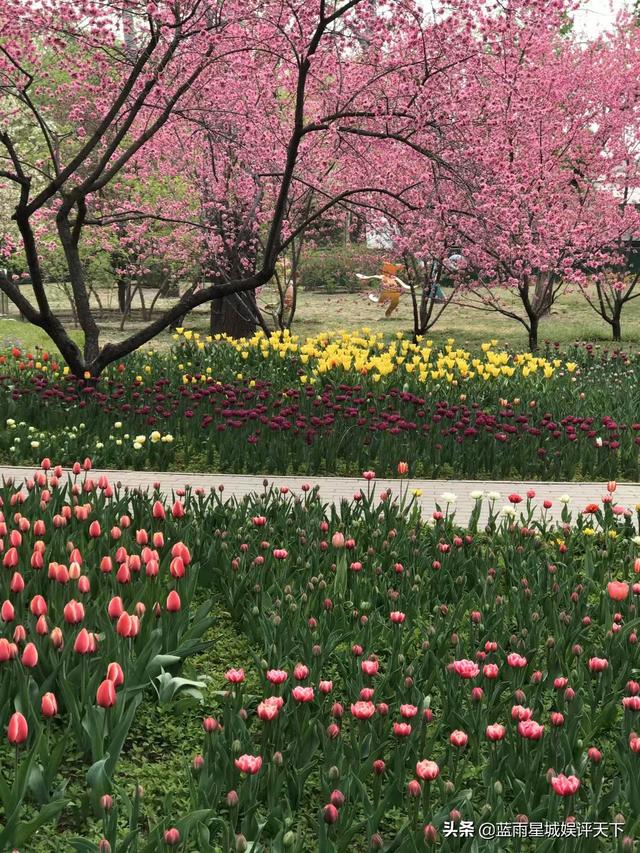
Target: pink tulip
x=173 y=603
x=427 y=770
x=495 y=732
x=302 y=694
x=458 y=738
x=565 y=786
x=106 y=694
x=530 y=730
x=466 y=668
x=249 y=764
x=235 y=676
x=276 y=676
x=18 y=730
x=363 y=710
x=49 y=705
x=30 y=656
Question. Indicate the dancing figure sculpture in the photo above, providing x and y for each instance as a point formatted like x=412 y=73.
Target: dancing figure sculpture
x=391 y=287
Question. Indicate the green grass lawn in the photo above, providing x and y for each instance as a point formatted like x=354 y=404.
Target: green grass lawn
x=571 y=319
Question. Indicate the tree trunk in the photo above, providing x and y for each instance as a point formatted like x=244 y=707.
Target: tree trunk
x=616 y=325
x=533 y=333
x=122 y=295
x=234 y=315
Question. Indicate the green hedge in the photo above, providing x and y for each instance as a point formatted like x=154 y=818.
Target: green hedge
x=334 y=268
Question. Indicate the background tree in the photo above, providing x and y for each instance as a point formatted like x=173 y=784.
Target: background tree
x=122 y=93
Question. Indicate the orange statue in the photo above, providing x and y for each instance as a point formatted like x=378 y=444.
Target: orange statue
x=391 y=287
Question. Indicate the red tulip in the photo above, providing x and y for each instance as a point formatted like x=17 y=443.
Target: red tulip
x=7 y=612
x=17 y=583
x=8 y=651
x=30 y=656
x=18 y=730
x=618 y=590
x=82 y=645
x=157 y=511
x=38 y=605
x=115 y=608
x=115 y=673
x=10 y=559
x=56 y=637
x=124 y=625
x=123 y=575
x=73 y=612
x=106 y=694
x=94 y=529
x=176 y=567
x=173 y=603
x=177 y=510
x=181 y=550
x=172 y=837
x=49 y=705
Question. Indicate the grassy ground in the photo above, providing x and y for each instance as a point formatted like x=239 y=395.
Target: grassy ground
x=571 y=319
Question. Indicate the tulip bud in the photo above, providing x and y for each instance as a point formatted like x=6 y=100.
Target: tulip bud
x=430 y=833
x=413 y=788
x=172 y=837
x=330 y=814
x=106 y=802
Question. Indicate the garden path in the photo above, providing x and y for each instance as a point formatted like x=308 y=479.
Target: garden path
x=334 y=489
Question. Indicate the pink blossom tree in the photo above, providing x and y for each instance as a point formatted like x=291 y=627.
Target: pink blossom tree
x=532 y=210
x=138 y=76
x=615 y=58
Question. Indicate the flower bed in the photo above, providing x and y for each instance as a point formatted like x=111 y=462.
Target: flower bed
x=333 y=406
x=400 y=677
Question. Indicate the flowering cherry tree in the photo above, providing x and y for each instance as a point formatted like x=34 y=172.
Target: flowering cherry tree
x=137 y=78
x=532 y=203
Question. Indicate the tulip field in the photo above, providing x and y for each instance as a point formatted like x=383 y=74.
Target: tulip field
x=188 y=673
x=333 y=404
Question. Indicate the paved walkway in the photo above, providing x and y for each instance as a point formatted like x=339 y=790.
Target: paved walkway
x=336 y=488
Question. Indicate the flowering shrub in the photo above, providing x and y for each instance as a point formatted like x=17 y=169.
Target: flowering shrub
x=279 y=404
x=404 y=674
